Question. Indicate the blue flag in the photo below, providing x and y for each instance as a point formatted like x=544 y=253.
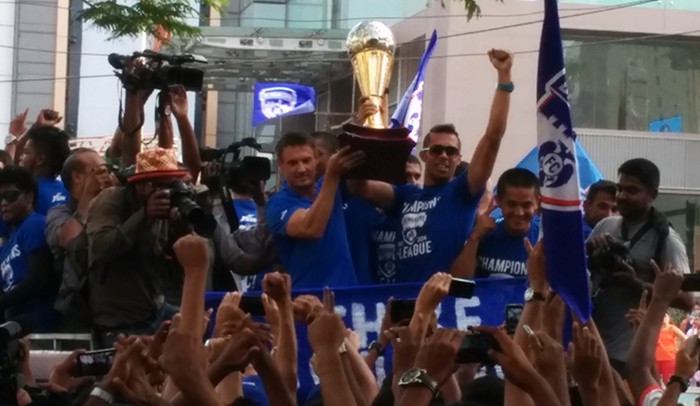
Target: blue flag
x=588 y=172
x=562 y=220
x=277 y=99
x=409 y=110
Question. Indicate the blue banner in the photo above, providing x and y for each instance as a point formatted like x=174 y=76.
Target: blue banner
x=562 y=219
x=409 y=110
x=362 y=309
x=278 y=99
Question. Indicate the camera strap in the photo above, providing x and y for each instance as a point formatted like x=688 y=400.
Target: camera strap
x=638 y=235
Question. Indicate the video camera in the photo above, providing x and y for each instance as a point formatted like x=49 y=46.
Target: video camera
x=154 y=70
x=183 y=198
x=613 y=259
x=237 y=173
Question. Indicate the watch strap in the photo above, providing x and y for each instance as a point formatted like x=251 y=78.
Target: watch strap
x=374 y=345
x=417 y=376
x=680 y=381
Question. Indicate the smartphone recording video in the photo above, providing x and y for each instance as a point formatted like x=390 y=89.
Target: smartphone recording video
x=463 y=288
x=252 y=305
x=513 y=313
x=475 y=349
x=402 y=310
x=96 y=363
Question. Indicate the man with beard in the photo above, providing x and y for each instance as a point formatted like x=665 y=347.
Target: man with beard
x=647 y=234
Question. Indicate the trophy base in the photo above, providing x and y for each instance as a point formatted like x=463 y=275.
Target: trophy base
x=387 y=151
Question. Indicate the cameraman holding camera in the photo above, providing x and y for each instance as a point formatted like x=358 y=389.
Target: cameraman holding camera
x=129 y=231
x=620 y=251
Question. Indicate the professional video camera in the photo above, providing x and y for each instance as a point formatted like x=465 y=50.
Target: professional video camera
x=153 y=70
x=237 y=173
x=605 y=262
x=184 y=199
x=234 y=173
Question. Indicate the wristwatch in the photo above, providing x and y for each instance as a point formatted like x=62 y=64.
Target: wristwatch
x=531 y=295
x=376 y=346
x=102 y=394
x=10 y=139
x=680 y=381
x=417 y=376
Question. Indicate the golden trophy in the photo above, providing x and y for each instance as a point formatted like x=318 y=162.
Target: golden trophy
x=371 y=48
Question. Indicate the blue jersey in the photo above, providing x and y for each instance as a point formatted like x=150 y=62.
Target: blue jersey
x=361 y=218
x=435 y=221
x=313 y=262
x=247 y=213
x=504 y=255
x=51 y=192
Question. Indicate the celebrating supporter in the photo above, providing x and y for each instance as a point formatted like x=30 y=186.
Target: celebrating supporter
x=85 y=175
x=128 y=238
x=44 y=153
x=437 y=219
x=599 y=204
x=496 y=249
x=620 y=250
x=29 y=280
x=306 y=217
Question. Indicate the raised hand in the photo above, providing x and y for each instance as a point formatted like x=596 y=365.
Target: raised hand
x=64 y=375
x=342 y=161
x=501 y=60
x=516 y=367
x=438 y=353
x=687 y=358
x=586 y=357
x=536 y=267
x=192 y=253
x=178 y=100
x=304 y=306
x=484 y=223
x=18 y=125
x=668 y=282
x=326 y=332
x=432 y=293
x=48 y=117
x=635 y=316
x=278 y=286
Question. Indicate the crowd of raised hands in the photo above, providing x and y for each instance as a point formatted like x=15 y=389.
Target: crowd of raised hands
x=177 y=366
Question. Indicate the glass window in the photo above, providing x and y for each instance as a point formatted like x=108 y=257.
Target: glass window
x=682 y=211
x=632 y=85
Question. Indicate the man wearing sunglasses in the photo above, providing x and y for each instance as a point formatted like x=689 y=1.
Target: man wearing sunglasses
x=437 y=219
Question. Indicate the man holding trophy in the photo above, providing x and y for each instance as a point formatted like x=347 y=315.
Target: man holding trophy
x=437 y=219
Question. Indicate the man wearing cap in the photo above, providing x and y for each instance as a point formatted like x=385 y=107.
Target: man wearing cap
x=128 y=232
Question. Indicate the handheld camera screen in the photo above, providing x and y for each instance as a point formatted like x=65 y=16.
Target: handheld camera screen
x=96 y=363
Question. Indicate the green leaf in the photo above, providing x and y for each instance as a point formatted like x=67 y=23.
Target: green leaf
x=122 y=20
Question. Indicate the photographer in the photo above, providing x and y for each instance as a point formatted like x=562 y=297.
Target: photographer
x=621 y=249
x=129 y=231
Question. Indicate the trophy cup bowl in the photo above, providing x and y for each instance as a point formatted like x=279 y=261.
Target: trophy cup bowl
x=371 y=48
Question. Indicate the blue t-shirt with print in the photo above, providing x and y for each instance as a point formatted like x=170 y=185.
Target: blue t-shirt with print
x=503 y=255
x=383 y=249
x=247 y=213
x=314 y=262
x=361 y=218
x=22 y=240
x=51 y=192
x=435 y=222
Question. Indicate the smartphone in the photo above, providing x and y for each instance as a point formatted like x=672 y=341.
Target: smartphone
x=252 y=305
x=513 y=313
x=96 y=363
x=402 y=310
x=462 y=288
x=475 y=349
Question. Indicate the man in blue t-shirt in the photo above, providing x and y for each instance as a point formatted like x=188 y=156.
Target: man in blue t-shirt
x=44 y=154
x=306 y=217
x=600 y=203
x=383 y=237
x=497 y=249
x=436 y=220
